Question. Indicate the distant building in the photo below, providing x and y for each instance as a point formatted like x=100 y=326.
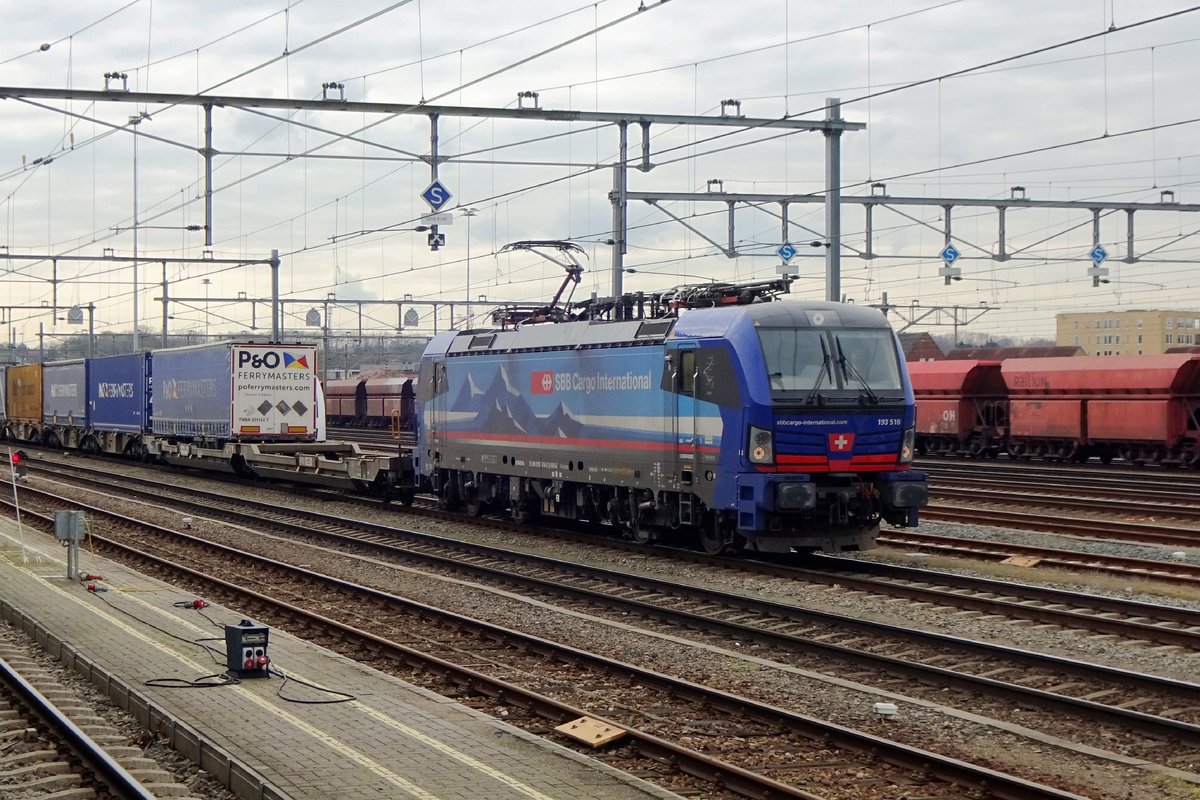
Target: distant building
x=1128 y=333
x=1001 y=353
x=920 y=347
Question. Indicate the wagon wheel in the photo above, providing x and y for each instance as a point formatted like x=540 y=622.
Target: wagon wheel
x=474 y=505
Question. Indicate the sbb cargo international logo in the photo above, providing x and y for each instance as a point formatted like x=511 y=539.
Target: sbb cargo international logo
x=542 y=381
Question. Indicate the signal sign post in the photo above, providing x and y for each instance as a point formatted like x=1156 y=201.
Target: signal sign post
x=950 y=272
x=786 y=253
x=437 y=196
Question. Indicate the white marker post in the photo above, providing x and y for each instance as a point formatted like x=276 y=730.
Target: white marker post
x=12 y=471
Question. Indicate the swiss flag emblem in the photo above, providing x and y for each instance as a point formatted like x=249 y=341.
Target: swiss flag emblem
x=542 y=381
x=841 y=443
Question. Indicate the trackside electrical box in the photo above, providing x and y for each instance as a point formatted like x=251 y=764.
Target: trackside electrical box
x=70 y=526
x=246 y=650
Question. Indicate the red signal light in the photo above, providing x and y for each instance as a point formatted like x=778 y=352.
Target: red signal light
x=16 y=458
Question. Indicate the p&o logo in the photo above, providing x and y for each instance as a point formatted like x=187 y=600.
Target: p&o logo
x=272 y=360
x=541 y=381
x=295 y=362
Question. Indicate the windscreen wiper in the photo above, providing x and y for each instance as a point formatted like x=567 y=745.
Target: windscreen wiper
x=825 y=368
x=849 y=369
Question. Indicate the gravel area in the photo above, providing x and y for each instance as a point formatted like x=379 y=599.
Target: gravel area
x=1107 y=547
x=917 y=724
x=198 y=783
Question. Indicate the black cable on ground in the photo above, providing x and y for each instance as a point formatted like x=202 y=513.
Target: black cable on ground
x=340 y=697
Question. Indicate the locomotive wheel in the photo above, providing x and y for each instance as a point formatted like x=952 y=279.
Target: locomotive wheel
x=474 y=506
x=714 y=539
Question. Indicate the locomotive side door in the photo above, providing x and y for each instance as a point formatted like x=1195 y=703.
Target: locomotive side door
x=683 y=416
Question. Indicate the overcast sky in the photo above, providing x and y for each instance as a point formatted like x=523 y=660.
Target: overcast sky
x=1111 y=118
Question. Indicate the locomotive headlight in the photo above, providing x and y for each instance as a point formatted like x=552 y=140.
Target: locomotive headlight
x=908 y=445
x=762 y=448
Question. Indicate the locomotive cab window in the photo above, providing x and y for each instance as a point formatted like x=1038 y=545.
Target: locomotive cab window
x=831 y=364
x=795 y=358
x=687 y=372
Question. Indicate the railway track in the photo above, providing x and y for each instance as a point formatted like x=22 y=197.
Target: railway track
x=662 y=713
x=811 y=640
x=44 y=753
x=954 y=487
x=1030 y=602
x=1169 y=571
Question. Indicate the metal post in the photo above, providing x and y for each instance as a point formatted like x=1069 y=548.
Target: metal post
x=91 y=345
x=208 y=181
x=165 y=301
x=619 y=201
x=276 y=312
x=1129 y=256
x=134 y=120
x=206 y=282
x=870 y=232
x=1002 y=245
x=833 y=200
x=784 y=232
x=42 y=342
x=54 y=286
x=468 y=213
x=325 y=338
x=433 y=165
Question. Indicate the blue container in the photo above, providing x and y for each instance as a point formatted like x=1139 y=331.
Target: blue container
x=64 y=393
x=191 y=391
x=119 y=393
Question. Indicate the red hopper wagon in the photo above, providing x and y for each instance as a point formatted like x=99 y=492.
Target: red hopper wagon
x=962 y=407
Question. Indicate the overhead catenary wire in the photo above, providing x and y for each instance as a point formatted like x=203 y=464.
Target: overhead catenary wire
x=318 y=246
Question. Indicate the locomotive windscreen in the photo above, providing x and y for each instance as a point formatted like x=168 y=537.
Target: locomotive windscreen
x=830 y=361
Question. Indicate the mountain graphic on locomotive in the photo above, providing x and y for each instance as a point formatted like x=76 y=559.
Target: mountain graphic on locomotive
x=780 y=426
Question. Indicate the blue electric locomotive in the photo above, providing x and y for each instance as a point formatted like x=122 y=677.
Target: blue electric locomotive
x=770 y=426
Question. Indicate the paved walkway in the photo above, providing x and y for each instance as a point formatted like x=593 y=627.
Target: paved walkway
x=395 y=740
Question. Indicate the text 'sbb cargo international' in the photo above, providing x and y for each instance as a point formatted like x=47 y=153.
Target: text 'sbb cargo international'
x=64 y=393
x=246 y=392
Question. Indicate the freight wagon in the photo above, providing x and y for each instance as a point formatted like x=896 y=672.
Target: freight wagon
x=962 y=407
x=1143 y=409
x=65 y=403
x=1140 y=408
x=23 y=402
x=247 y=408
x=386 y=401
x=118 y=404
x=229 y=392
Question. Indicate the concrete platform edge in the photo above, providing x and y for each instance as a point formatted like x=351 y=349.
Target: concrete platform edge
x=236 y=776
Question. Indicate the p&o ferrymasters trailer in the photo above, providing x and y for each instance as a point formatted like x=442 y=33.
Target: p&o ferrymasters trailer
x=256 y=410
x=235 y=392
